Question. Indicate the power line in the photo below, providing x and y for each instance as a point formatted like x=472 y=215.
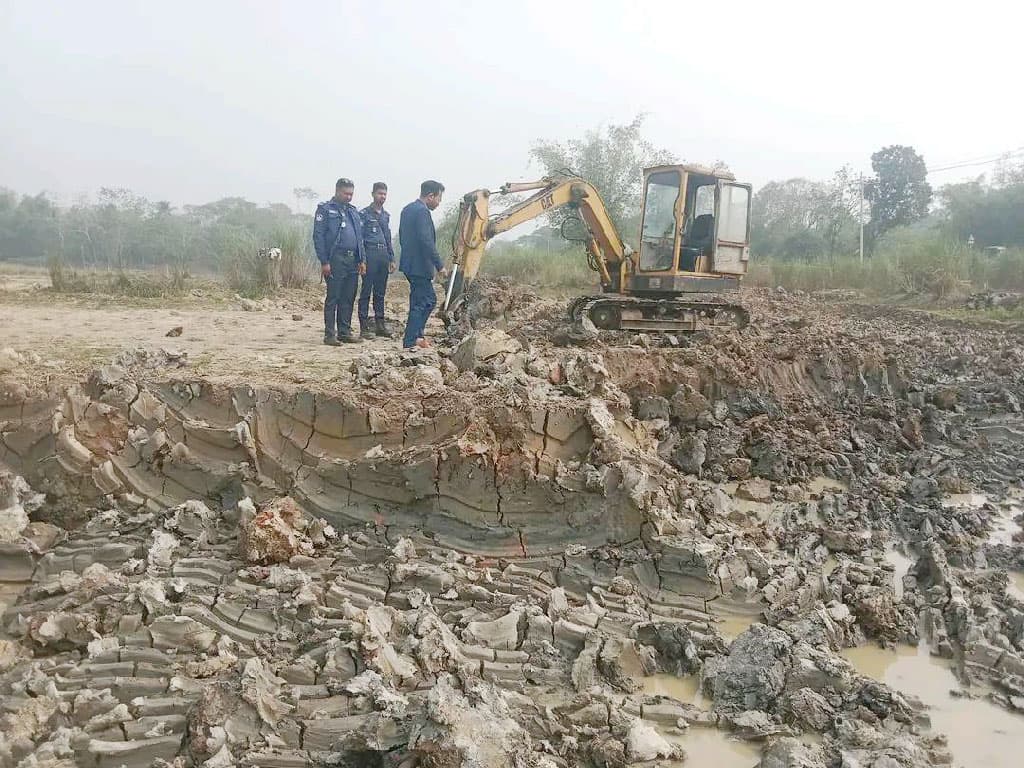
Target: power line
x=1010 y=155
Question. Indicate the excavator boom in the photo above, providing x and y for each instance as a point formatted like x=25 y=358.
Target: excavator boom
x=606 y=252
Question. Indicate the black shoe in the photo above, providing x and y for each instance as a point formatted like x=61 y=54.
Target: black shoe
x=332 y=341
x=383 y=330
x=350 y=339
x=365 y=332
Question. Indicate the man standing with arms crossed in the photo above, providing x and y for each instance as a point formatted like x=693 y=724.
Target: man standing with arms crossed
x=380 y=262
x=420 y=261
x=338 y=241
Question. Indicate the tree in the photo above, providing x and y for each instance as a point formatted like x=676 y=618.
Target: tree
x=899 y=193
x=786 y=218
x=612 y=158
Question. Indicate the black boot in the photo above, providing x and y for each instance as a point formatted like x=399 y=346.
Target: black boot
x=350 y=338
x=365 y=332
x=332 y=341
x=383 y=330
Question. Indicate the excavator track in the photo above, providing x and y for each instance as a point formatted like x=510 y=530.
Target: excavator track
x=672 y=315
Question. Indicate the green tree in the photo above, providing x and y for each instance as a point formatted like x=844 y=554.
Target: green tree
x=612 y=158
x=899 y=193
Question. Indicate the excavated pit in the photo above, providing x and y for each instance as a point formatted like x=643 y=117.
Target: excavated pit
x=519 y=553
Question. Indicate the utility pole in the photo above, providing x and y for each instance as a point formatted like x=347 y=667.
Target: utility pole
x=860 y=218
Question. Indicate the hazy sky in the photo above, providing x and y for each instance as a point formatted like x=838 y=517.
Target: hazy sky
x=192 y=101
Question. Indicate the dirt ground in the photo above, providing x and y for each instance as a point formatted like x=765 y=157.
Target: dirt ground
x=222 y=340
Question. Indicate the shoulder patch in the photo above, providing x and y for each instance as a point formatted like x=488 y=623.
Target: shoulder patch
x=319 y=216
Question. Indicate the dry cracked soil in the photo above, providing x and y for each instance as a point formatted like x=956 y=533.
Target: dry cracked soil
x=795 y=546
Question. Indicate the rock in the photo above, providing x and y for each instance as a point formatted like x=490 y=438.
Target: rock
x=274 y=534
x=753 y=675
x=248 y=305
x=792 y=753
x=296 y=317
x=738 y=468
x=653 y=407
x=643 y=743
x=175 y=331
x=483 y=346
x=945 y=398
x=687 y=404
x=755 y=489
x=691 y=454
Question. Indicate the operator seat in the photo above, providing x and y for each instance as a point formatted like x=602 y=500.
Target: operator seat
x=698 y=242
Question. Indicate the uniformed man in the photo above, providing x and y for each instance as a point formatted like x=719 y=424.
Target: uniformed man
x=380 y=262
x=338 y=240
x=420 y=261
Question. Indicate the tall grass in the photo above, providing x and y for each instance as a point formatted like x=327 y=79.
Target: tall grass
x=924 y=264
x=540 y=267
x=251 y=273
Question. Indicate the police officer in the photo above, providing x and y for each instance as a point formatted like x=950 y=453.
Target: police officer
x=380 y=262
x=338 y=240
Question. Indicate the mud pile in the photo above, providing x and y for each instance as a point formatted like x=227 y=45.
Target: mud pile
x=481 y=557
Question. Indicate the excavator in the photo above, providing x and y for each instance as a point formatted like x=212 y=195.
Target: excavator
x=694 y=247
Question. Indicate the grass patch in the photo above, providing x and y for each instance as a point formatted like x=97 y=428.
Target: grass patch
x=923 y=264
x=144 y=285
x=540 y=267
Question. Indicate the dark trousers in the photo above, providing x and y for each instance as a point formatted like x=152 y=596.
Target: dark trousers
x=422 y=301
x=341 y=294
x=375 y=284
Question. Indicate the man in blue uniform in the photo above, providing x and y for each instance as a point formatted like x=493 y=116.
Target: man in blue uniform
x=380 y=262
x=338 y=241
x=420 y=260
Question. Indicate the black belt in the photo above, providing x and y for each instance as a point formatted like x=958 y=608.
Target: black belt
x=345 y=253
x=380 y=246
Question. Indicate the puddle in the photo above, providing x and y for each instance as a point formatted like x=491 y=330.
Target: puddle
x=901 y=565
x=981 y=735
x=733 y=618
x=820 y=485
x=704 y=745
x=710 y=747
x=684 y=689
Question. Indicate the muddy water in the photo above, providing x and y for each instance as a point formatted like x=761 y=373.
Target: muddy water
x=704 y=745
x=981 y=735
x=901 y=566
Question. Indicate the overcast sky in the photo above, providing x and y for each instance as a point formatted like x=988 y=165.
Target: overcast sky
x=193 y=101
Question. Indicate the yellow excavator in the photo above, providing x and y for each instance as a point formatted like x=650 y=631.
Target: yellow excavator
x=694 y=247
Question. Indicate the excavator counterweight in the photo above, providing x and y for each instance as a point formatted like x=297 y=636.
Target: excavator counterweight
x=694 y=248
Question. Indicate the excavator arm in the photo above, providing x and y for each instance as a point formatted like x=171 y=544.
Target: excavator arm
x=606 y=253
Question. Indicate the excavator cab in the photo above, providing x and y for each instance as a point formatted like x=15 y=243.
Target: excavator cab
x=694 y=231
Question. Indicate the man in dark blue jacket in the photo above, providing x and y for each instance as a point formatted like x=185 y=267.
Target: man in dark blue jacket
x=338 y=241
x=420 y=260
x=380 y=262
